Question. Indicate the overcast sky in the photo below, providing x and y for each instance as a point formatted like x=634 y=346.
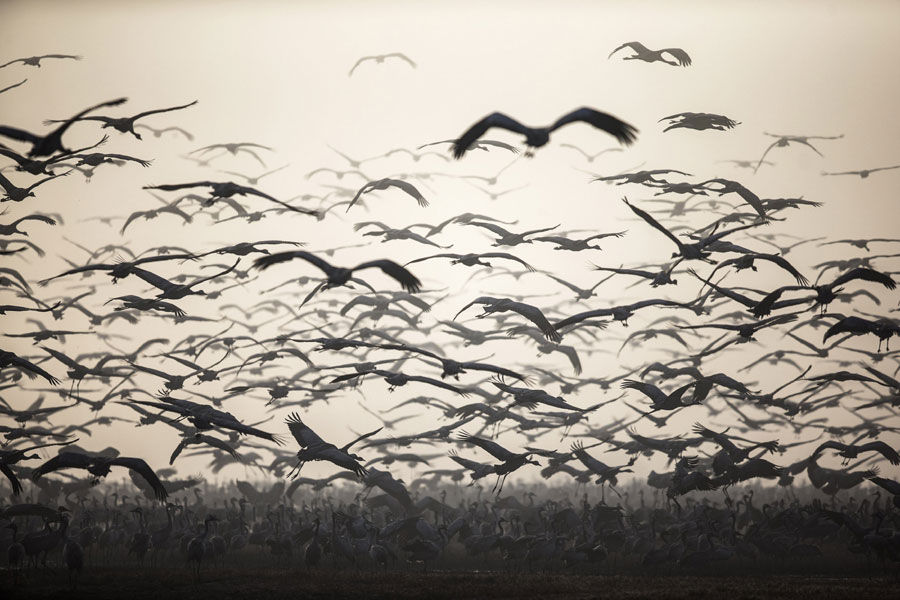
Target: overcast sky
x=276 y=73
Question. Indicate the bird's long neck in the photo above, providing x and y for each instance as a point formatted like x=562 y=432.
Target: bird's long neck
x=63 y=527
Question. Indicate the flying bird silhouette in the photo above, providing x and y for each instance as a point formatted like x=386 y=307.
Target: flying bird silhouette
x=99 y=466
x=539 y=136
x=340 y=276
x=699 y=121
x=122 y=124
x=383 y=184
x=863 y=173
x=783 y=141
x=51 y=143
x=641 y=52
x=312 y=447
x=35 y=61
x=380 y=58
x=494 y=305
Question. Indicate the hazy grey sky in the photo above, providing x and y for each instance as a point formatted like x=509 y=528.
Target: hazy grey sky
x=275 y=73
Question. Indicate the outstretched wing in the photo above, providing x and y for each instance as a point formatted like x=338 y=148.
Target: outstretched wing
x=72 y=56
x=219 y=274
x=583 y=316
x=220 y=444
x=479 y=366
x=30 y=368
x=479 y=300
x=255 y=192
x=853 y=325
x=622 y=131
x=890 y=485
x=29 y=510
x=13 y=480
x=409 y=189
x=141 y=467
x=171 y=187
x=13 y=86
x=648 y=389
x=653 y=223
x=161 y=110
x=784 y=264
x=493 y=448
x=359 y=62
x=279 y=257
x=763 y=157
x=404 y=57
x=305 y=436
x=882 y=448
x=764 y=306
x=19 y=134
x=636 y=46
x=36 y=217
x=594 y=465
x=12 y=62
x=886 y=380
x=181 y=446
x=680 y=55
x=534 y=314
x=508 y=256
x=424 y=258
x=236 y=425
x=438 y=383
x=471 y=465
x=63 y=460
x=477 y=130
x=830 y=444
x=359 y=439
x=866 y=275
x=405 y=278
x=50 y=143
x=490 y=227
x=748 y=197
x=160 y=283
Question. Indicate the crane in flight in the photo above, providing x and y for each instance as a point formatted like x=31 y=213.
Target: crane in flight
x=642 y=52
x=535 y=137
x=312 y=447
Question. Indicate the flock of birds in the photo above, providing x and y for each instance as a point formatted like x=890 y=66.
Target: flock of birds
x=378 y=320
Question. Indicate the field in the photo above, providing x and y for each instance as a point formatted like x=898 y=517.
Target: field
x=326 y=583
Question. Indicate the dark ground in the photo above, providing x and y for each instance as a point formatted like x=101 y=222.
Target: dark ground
x=223 y=584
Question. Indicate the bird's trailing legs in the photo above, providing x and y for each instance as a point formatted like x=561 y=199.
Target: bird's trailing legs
x=295 y=471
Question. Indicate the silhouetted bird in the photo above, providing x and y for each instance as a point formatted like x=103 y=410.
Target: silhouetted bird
x=641 y=52
x=52 y=142
x=537 y=137
x=123 y=124
x=380 y=58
